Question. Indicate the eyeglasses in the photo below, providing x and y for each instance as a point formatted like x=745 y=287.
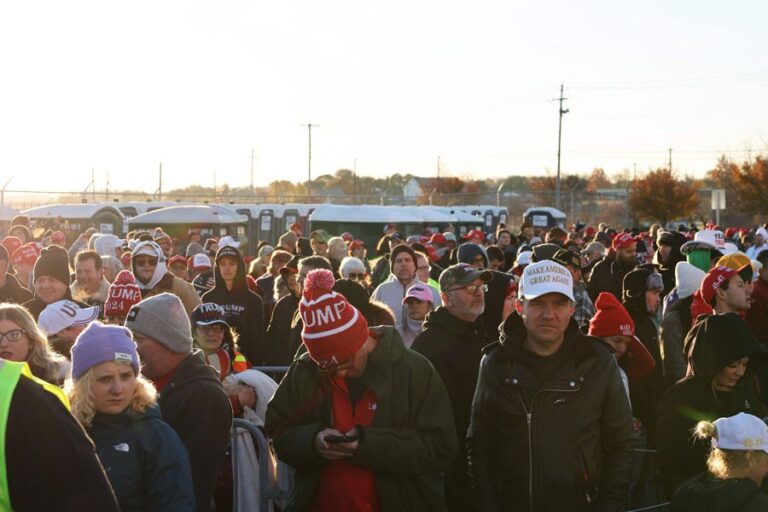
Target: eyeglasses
x=355 y=276
x=13 y=335
x=333 y=368
x=145 y=262
x=471 y=288
x=215 y=328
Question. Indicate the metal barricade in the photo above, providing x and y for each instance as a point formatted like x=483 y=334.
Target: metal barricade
x=268 y=490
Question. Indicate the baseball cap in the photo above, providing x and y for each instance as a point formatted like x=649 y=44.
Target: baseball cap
x=705 y=239
x=292 y=267
x=228 y=241
x=208 y=313
x=566 y=257
x=420 y=292
x=61 y=314
x=741 y=432
x=449 y=236
x=545 y=277
x=462 y=274
x=347 y=236
x=622 y=241
x=26 y=254
x=320 y=235
x=475 y=233
x=717 y=276
x=524 y=258
x=356 y=244
x=437 y=238
x=199 y=262
x=178 y=259
x=387 y=227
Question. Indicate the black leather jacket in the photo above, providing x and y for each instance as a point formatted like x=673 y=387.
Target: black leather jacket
x=562 y=442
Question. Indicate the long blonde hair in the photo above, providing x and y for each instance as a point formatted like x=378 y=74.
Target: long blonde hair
x=81 y=397
x=724 y=463
x=42 y=359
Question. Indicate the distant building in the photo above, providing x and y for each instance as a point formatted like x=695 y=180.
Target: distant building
x=418 y=187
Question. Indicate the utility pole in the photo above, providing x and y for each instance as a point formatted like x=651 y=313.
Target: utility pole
x=93 y=184
x=309 y=154
x=354 y=178
x=670 y=159
x=106 y=192
x=252 y=173
x=561 y=111
x=160 y=184
x=438 y=174
x=634 y=172
x=2 y=191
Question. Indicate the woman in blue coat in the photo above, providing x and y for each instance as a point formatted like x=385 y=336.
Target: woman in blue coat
x=144 y=459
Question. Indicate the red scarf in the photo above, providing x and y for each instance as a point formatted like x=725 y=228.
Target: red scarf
x=345 y=487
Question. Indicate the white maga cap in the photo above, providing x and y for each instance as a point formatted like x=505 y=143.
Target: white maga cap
x=545 y=277
x=705 y=239
x=741 y=432
x=61 y=314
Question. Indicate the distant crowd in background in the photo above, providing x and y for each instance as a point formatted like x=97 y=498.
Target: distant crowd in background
x=550 y=369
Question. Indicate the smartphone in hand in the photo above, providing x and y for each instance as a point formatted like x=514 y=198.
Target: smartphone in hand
x=340 y=439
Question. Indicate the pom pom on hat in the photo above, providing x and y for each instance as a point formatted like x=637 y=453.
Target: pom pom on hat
x=123 y=293
x=333 y=329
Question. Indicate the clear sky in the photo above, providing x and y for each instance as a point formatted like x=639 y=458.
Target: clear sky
x=119 y=87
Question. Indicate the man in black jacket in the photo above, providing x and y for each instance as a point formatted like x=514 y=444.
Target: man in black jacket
x=551 y=426
x=51 y=279
x=244 y=308
x=453 y=340
x=10 y=288
x=608 y=274
x=191 y=398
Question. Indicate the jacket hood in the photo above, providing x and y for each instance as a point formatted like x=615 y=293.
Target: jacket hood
x=675 y=240
x=633 y=290
x=717 y=341
x=240 y=282
x=150 y=248
x=466 y=253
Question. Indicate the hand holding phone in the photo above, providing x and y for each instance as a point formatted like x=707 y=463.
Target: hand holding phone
x=331 y=439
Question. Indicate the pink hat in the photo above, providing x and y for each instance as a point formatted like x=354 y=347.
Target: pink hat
x=419 y=292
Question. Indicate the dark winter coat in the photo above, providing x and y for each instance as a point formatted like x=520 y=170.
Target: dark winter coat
x=195 y=406
x=705 y=493
x=50 y=462
x=556 y=443
x=279 y=331
x=12 y=291
x=694 y=399
x=454 y=347
x=245 y=313
x=757 y=315
x=646 y=392
x=607 y=276
x=145 y=461
x=409 y=445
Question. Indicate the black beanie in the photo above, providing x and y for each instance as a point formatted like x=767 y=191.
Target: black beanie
x=53 y=262
x=397 y=250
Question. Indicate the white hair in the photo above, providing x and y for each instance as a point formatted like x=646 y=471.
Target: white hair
x=350 y=265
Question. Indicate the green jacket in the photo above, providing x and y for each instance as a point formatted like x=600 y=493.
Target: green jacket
x=412 y=440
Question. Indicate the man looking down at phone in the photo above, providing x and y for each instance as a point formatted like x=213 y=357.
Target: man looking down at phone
x=366 y=423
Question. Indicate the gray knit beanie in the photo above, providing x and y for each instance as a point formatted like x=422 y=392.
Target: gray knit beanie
x=163 y=318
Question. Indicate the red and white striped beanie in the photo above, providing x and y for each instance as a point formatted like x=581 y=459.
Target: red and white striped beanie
x=333 y=329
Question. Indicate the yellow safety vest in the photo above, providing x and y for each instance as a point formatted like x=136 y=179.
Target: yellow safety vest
x=10 y=373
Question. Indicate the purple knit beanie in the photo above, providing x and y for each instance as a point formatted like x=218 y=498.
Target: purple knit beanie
x=100 y=343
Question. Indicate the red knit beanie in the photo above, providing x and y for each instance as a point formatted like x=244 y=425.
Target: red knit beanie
x=123 y=293
x=333 y=329
x=612 y=319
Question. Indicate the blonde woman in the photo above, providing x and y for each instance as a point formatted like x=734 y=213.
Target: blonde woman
x=21 y=340
x=145 y=461
x=736 y=466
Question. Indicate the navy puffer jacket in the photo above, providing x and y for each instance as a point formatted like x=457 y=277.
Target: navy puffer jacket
x=145 y=461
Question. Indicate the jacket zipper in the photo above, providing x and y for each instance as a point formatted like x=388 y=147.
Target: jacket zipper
x=528 y=419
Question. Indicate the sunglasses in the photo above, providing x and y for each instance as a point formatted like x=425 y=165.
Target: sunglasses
x=356 y=276
x=471 y=288
x=145 y=262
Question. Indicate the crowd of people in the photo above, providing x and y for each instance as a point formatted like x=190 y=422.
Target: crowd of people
x=546 y=369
